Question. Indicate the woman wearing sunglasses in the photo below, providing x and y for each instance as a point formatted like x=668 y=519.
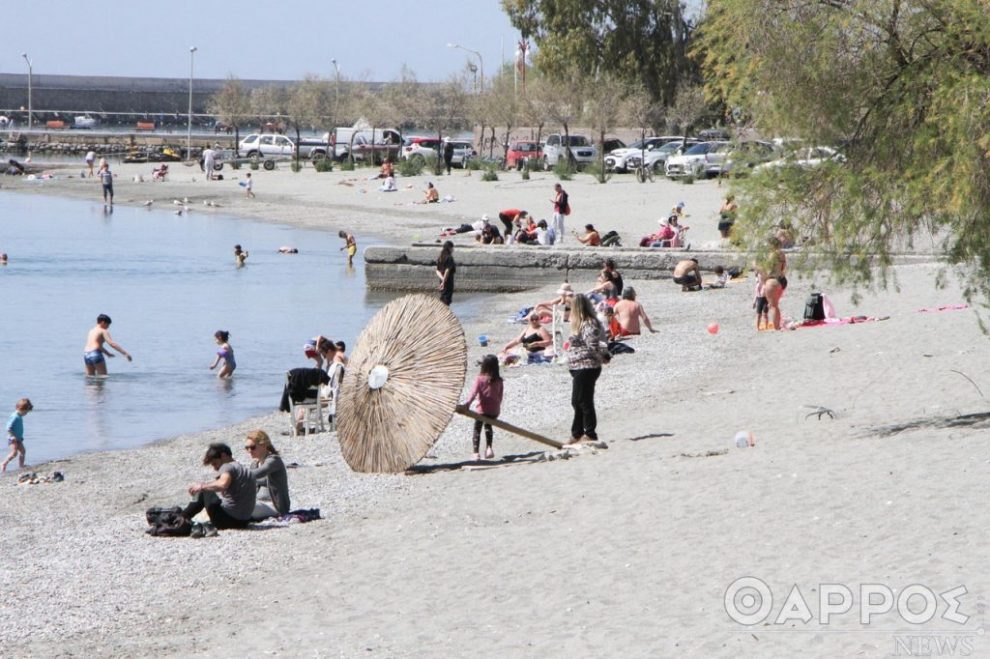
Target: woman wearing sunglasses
x=269 y=470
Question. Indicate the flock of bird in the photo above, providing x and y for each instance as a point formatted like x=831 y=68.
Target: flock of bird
x=183 y=203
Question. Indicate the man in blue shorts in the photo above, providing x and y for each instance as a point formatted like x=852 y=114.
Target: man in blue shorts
x=95 y=352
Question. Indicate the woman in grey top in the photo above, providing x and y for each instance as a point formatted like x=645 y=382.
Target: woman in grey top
x=586 y=351
x=269 y=470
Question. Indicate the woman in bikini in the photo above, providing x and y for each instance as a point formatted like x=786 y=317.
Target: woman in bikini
x=775 y=282
x=535 y=338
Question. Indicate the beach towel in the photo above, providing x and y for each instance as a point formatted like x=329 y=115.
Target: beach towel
x=848 y=320
x=521 y=315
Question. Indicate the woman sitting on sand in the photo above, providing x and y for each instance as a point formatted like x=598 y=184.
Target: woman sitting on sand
x=269 y=471
x=534 y=339
x=565 y=294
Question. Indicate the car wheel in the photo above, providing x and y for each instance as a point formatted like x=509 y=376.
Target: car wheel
x=417 y=158
x=252 y=154
x=217 y=166
x=269 y=165
x=316 y=156
x=658 y=167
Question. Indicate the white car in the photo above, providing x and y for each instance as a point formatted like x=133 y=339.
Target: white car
x=582 y=151
x=692 y=162
x=738 y=157
x=266 y=144
x=656 y=158
x=810 y=156
x=617 y=159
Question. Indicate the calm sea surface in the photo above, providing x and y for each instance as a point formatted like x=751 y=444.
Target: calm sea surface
x=168 y=282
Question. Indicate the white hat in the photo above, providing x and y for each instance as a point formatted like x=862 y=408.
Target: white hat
x=565 y=289
x=484 y=218
x=680 y=204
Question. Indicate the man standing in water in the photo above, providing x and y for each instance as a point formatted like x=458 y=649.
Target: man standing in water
x=95 y=351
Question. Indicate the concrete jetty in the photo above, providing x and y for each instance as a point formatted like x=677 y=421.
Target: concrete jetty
x=499 y=268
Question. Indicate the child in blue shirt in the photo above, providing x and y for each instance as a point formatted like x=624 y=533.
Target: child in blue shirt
x=15 y=433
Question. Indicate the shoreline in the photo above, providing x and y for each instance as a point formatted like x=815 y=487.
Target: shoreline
x=628 y=550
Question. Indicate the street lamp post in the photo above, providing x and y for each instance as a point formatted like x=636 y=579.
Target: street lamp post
x=192 y=52
x=481 y=62
x=30 y=75
x=336 y=88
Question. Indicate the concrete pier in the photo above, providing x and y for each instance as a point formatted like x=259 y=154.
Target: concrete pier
x=506 y=268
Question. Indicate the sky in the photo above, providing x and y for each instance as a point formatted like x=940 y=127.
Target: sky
x=249 y=39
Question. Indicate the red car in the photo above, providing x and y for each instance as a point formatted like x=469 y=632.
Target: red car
x=520 y=151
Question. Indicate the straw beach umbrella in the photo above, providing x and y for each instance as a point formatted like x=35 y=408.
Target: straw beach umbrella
x=403 y=382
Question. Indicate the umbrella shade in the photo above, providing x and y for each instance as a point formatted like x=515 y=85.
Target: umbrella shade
x=403 y=382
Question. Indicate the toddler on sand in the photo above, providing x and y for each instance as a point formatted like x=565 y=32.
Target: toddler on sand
x=15 y=433
x=487 y=389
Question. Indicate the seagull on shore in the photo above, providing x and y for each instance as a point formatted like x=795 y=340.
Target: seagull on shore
x=148 y=203
x=177 y=202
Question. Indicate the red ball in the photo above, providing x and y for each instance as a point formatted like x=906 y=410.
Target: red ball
x=713 y=328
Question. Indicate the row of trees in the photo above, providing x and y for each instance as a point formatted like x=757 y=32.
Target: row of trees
x=550 y=103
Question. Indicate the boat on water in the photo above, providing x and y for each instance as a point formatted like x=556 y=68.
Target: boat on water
x=84 y=121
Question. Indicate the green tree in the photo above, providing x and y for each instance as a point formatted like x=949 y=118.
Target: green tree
x=231 y=105
x=443 y=106
x=308 y=105
x=905 y=84
x=638 y=41
x=603 y=99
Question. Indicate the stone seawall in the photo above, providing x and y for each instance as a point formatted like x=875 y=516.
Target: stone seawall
x=504 y=268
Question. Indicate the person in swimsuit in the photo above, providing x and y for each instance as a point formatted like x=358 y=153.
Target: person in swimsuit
x=535 y=338
x=95 y=351
x=225 y=353
x=240 y=256
x=350 y=244
x=688 y=275
x=774 y=282
x=727 y=215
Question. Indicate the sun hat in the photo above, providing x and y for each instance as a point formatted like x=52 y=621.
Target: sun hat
x=484 y=218
x=565 y=289
x=680 y=204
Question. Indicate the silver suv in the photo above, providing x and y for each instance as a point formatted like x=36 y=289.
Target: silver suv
x=582 y=151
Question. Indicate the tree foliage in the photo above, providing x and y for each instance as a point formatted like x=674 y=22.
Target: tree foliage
x=638 y=41
x=905 y=85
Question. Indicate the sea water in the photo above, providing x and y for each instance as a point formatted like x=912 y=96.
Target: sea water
x=168 y=282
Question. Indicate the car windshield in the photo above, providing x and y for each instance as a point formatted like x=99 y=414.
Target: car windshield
x=699 y=149
x=525 y=146
x=670 y=146
x=577 y=140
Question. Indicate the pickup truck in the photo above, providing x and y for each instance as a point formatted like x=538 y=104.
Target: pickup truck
x=386 y=144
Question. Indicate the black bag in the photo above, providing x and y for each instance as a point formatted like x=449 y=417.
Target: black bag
x=168 y=522
x=814 y=307
x=611 y=239
x=618 y=348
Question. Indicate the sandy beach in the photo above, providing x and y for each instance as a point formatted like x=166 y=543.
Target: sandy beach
x=624 y=551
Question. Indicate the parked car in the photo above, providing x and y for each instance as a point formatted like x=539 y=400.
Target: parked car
x=612 y=144
x=656 y=158
x=420 y=147
x=380 y=144
x=616 y=158
x=691 y=162
x=556 y=147
x=463 y=151
x=521 y=151
x=266 y=144
x=737 y=158
x=809 y=156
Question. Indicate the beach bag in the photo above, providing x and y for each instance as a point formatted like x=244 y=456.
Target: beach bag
x=611 y=239
x=618 y=348
x=814 y=307
x=168 y=522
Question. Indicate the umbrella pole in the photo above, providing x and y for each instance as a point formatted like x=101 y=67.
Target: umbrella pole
x=516 y=430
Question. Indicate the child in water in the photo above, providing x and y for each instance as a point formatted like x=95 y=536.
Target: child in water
x=487 y=389
x=225 y=354
x=15 y=433
x=240 y=256
x=350 y=244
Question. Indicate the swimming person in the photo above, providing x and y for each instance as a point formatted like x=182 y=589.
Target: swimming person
x=240 y=256
x=225 y=353
x=95 y=350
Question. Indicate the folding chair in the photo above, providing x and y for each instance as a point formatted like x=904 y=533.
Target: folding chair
x=307 y=413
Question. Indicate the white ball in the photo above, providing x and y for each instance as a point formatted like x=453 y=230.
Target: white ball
x=743 y=439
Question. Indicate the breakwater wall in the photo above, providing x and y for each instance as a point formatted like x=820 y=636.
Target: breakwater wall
x=503 y=268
